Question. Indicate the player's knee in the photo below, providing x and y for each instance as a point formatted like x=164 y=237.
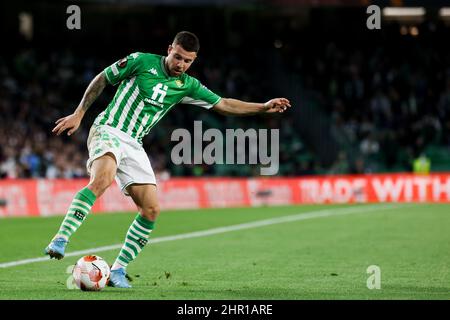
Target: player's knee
x=98 y=185
x=150 y=212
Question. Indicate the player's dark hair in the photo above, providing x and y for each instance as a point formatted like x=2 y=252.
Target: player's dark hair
x=187 y=40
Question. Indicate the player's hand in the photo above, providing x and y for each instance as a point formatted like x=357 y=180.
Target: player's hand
x=277 y=105
x=71 y=123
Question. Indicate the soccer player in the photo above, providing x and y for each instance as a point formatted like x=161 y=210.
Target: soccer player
x=149 y=86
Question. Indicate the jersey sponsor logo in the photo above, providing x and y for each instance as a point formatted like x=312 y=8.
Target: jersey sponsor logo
x=159 y=92
x=153 y=71
x=154 y=103
x=122 y=63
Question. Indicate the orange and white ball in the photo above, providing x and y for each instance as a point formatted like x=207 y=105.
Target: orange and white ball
x=91 y=273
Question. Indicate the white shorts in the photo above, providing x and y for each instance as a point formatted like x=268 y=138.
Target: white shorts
x=133 y=165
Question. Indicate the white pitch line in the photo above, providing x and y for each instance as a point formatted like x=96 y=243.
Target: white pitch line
x=204 y=233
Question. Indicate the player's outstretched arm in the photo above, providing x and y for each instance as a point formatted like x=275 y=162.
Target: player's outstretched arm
x=72 y=122
x=237 y=107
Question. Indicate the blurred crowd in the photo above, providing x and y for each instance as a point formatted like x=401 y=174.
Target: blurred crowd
x=33 y=94
x=388 y=96
x=386 y=105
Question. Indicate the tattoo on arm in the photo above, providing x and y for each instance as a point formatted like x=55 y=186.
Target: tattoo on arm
x=92 y=92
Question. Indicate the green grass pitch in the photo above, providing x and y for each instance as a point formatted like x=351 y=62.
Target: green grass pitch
x=317 y=258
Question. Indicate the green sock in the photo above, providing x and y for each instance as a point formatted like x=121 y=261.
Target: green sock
x=80 y=207
x=135 y=240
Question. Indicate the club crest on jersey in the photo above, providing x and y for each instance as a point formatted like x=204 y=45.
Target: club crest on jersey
x=122 y=63
x=179 y=83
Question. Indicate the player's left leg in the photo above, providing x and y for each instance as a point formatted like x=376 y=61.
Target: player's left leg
x=146 y=200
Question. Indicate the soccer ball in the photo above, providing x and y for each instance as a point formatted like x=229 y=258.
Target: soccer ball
x=91 y=273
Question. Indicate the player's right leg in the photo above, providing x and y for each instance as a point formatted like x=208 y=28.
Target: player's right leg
x=103 y=170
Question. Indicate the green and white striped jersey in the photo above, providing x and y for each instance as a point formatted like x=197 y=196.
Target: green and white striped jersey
x=146 y=93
